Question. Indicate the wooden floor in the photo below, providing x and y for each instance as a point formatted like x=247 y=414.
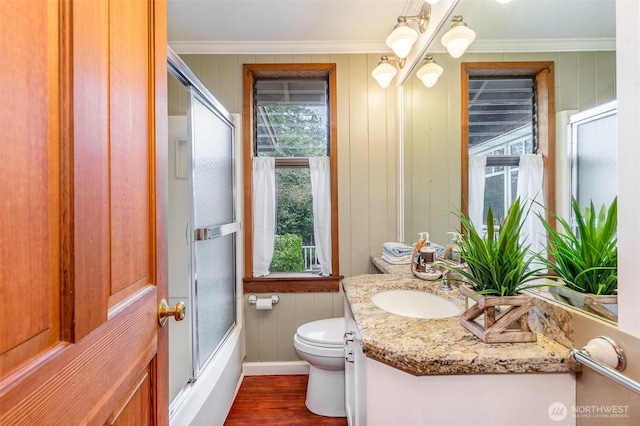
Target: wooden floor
x=275 y=400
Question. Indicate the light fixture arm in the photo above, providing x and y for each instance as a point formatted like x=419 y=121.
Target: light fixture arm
x=387 y=58
x=422 y=19
x=458 y=21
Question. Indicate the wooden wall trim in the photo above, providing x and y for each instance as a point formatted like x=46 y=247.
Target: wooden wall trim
x=249 y=74
x=247 y=149
x=293 y=285
x=464 y=135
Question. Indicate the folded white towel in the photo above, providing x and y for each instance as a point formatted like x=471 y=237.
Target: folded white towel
x=402 y=260
x=396 y=249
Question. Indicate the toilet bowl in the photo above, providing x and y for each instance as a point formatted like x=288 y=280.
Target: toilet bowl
x=320 y=343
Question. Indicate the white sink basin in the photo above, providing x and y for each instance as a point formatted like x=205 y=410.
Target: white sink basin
x=415 y=304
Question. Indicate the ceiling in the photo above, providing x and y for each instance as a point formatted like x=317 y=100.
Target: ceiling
x=345 y=26
x=283 y=26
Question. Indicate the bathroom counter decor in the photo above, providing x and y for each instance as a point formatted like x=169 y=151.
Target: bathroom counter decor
x=587 y=261
x=499 y=316
x=588 y=302
x=440 y=346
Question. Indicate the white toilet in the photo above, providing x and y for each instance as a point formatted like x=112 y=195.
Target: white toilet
x=320 y=343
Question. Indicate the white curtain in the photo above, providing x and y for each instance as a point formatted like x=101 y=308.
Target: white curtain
x=477 y=179
x=264 y=213
x=321 y=195
x=530 y=172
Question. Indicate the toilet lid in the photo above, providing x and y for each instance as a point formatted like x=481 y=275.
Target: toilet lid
x=327 y=331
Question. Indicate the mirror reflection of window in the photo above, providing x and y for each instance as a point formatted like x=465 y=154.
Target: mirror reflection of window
x=594 y=155
x=502 y=123
x=508 y=143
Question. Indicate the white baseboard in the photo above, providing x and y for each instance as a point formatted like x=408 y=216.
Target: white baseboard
x=274 y=368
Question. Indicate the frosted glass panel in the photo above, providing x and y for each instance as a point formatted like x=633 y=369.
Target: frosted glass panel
x=213 y=205
x=596 y=156
x=213 y=167
x=215 y=285
x=201 y=191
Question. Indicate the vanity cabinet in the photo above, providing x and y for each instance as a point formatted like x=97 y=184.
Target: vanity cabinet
x=355 y=370
x=421 y=371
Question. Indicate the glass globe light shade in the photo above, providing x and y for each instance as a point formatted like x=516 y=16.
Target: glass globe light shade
x=401 y=39
x=429 y=73
x=436 y=1
x=457 y=39
x=384 y=73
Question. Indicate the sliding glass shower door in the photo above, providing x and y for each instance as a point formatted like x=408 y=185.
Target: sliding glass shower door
x=202 y=229
x=214 y=228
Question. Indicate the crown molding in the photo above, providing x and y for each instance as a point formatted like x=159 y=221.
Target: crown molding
x=536 y=45
x=278 y=47
x=345 y=47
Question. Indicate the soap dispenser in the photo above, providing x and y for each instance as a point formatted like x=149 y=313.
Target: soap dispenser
x=453 y=251
x=427 y=253
x=417 y=260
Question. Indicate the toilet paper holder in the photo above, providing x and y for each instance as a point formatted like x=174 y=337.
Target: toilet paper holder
x=253 y=299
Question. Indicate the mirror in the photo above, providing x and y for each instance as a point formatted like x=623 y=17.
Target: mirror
x=578 y=36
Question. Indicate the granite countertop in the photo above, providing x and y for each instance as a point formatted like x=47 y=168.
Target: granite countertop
x=439 y=346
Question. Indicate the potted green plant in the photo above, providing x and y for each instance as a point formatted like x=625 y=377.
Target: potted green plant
x=585 y=260
x=497 y=266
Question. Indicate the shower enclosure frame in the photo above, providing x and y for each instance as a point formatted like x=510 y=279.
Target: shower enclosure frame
x=197 y=91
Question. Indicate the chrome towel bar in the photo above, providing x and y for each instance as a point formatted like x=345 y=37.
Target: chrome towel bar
x=607 y=358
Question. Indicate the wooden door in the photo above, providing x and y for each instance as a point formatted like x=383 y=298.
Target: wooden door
x=82 y=212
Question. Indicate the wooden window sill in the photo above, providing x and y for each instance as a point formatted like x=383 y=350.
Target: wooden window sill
x=292 y=283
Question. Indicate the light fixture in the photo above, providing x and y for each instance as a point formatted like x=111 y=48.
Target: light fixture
x=429 y=72
x=458 y=38
x=403 y=36
x=436 y=1
x=384 y=71
x=501 y=1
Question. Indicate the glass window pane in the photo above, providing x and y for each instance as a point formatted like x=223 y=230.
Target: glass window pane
x=294 y=221
x=291 y=117
x=597 y=161
x=501 y=111
x=514 y=184
x=494 y=197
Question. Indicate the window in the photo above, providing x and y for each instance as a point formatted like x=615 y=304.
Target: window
x=289 y=128
x=507 y=111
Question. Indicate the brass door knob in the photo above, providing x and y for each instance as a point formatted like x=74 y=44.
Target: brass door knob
x=164 y=312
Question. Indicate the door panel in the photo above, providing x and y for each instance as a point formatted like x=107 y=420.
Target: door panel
x=91 y=145
x=82 y=218
x=135 y=408
x=30 y=183
x=129 y=64
x=85 y=381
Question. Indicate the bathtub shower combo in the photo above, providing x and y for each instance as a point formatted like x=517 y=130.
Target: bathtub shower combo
x=203 y=235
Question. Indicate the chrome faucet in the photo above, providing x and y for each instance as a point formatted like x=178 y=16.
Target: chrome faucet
x=445 y=283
